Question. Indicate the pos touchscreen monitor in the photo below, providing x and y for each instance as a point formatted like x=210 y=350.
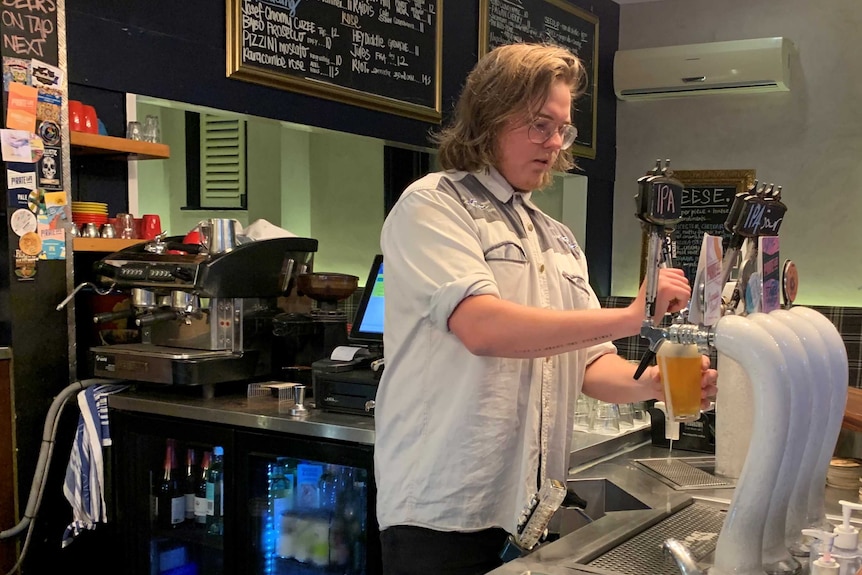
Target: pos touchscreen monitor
x=367 y=327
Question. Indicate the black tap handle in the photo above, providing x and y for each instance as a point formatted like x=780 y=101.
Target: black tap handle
x=648 y=357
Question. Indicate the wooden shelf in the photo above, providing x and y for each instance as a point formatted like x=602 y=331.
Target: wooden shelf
x=103 y=244
x=95 y=144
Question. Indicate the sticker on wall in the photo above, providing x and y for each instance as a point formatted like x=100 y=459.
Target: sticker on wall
x=53 y=242
x=37 y=148
x=20 y=182
x=15 y=70
x=50 y=133
x=44 y=75
x=31 y=244
x=35 y=201
x=15 y=146
x=21 y=110
x=25 y=266
x=50 y=169
x=23 y=221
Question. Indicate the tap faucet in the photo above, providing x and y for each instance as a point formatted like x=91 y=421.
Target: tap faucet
x=683 y=557
x=659 y=207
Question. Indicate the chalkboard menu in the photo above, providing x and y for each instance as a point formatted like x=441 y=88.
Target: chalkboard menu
x=556 y=22
x=30 y=30
x=706 y=200
x=380 y=54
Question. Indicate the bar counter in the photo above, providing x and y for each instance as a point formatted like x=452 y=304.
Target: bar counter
x=265 y=413
x=597 y=458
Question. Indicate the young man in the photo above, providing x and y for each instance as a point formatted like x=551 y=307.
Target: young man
x=492 y=329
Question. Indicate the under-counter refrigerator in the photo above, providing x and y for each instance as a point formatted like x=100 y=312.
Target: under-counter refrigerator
x=284 y=504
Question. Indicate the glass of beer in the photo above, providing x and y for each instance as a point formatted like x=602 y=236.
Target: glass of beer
x=680 y=368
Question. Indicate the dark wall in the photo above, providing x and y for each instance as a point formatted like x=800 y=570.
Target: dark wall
x=177 y=51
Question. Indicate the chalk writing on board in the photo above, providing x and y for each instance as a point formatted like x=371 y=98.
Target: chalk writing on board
x=553 y=21
x=383 y=54
x=30 y=29
x=704 y=210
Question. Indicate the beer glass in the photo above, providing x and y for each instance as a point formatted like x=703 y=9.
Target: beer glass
x=680 y=368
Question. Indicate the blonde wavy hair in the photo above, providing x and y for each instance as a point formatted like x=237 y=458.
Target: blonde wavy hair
x=511 y=82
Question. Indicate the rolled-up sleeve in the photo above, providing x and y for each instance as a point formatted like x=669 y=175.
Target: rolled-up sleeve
x=432 y=242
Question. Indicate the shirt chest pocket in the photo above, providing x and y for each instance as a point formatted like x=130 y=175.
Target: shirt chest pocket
x=576 y=288
x=508 y=262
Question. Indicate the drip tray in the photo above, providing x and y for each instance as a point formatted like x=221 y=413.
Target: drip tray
x=697 y=526
x=686 y=472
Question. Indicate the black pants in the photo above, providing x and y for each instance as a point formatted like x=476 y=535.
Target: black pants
x=419 y=551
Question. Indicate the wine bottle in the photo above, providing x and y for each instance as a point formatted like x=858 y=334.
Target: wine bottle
x=190 y=484
x=201 y=491
x=170 y=504
x=215 y=493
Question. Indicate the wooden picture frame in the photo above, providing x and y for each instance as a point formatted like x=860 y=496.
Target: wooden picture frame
x=558 y=22
x=711 y=193
x=317 y=58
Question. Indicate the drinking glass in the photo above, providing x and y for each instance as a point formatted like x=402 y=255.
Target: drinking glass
x=680 y=368
x=605 y=418
x=126 y=226
x=626 y=415
x=582 y=413
x=152 y=132
x=135 y=131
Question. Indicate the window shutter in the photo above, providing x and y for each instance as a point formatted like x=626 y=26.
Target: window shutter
x=222 y=162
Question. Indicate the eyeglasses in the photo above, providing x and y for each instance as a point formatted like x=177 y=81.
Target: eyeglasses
x=541 y=130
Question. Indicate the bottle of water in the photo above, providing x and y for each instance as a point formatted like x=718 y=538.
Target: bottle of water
x=215 y=493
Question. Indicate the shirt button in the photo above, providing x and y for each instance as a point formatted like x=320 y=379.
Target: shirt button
x=530 y=227
x=542 y=269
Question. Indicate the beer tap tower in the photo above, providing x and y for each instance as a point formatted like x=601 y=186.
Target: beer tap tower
x=771 y=349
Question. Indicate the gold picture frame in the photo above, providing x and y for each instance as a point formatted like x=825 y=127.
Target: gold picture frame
x=306 y=83
x=739 y=180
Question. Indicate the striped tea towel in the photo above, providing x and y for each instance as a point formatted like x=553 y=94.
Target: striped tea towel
x=85 y=474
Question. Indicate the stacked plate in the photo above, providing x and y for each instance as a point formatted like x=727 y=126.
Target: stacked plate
x=89 y=212
x=844 y=473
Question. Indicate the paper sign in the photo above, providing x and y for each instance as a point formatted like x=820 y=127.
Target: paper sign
x=15 y=146
x=769 y=267
x=21 y=111
x=20 y=180
x=707 y=311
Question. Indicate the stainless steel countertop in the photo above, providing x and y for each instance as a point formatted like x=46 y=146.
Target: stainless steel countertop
x=259 y=413
x=264 y=414
x=569 y=554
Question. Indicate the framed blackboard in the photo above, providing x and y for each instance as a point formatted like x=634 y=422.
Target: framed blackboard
x=30 y=30
x=556 y=22
x=706 y=200
x=380 y=54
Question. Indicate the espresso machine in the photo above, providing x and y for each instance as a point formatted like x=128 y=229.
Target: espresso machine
x=205 y=318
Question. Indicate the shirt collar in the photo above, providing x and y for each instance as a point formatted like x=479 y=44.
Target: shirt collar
x=492 y=179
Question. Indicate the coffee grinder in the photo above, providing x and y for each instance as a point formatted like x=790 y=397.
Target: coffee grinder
x=303 y=338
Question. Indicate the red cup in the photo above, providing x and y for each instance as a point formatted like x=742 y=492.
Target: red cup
x=152 y=226
x=91 y=121
x=76 y=116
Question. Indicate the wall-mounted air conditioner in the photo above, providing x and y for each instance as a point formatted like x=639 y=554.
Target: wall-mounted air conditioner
x=734 y=67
